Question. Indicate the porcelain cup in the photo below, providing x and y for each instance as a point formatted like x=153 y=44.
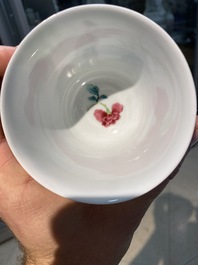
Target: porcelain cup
x=98 y=104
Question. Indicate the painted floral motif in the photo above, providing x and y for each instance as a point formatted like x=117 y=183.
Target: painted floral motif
x=94 y=91
x=107 y=117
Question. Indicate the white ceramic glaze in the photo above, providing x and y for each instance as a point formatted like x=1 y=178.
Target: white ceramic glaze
x=58 y=132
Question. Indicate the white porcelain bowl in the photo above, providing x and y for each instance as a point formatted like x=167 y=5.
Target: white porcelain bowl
x=98 y=104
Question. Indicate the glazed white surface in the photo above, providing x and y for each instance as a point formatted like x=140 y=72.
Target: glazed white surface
x=45 y=104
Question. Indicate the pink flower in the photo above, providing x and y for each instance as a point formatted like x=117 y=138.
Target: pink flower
x=117 y=107
x=109 y=117
x=100 y=114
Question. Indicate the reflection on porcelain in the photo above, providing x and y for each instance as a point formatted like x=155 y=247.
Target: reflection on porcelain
x=94 y=105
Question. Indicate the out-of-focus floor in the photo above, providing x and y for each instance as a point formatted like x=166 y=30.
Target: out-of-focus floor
x=168 y=234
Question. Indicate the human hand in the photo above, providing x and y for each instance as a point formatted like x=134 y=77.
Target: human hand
x=56 y=230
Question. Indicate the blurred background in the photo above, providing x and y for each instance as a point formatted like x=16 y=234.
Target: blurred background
x=168 y=234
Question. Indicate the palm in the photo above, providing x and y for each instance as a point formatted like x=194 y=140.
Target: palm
x=22 y=199
x=30 y=209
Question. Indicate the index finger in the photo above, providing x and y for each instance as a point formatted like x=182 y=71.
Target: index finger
x=195 y=135
x=5 y=55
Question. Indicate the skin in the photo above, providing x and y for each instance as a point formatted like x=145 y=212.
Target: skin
x=55 y=230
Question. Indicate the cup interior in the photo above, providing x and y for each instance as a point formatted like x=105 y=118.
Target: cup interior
x=98 y=104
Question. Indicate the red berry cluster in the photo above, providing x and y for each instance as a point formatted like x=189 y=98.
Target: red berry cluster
x=109 y=117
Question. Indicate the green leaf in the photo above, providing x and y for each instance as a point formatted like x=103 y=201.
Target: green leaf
x=102 y=97
x=92 y=98
x=93 y=89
